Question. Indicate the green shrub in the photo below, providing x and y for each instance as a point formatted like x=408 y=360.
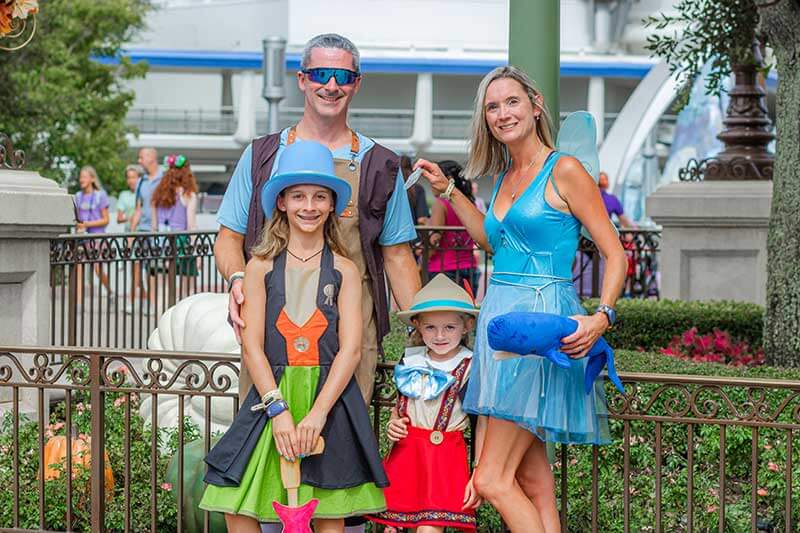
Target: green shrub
x=651 y=324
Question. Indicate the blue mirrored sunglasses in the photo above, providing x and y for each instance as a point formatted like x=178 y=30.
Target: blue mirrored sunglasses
x=323 y=75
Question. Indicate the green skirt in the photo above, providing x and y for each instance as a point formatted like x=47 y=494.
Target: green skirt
x=261 y=483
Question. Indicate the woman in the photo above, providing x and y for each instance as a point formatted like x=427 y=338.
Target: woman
x=452 y=254
x=540 y=200
x=174 y=208
x=91 y=211
x=126 y=202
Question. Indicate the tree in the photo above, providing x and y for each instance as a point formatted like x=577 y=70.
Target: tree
x=782 y=318
x=58 y=104
x=720 y=30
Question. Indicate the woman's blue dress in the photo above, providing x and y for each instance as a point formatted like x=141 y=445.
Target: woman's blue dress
x=534 y=247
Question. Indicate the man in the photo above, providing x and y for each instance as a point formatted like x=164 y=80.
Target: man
x=612 y=203
x=377 y=225
x=141 y=220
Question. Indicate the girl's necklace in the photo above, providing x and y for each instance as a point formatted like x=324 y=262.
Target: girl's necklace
x=305 y=259
x=522 y=173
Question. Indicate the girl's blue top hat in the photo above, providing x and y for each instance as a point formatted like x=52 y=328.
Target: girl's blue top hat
x=304 y=163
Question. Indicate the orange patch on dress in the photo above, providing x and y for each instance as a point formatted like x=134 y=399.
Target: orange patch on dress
x=302 y=342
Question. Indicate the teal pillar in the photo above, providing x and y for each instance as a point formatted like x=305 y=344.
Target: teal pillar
x=534 y=45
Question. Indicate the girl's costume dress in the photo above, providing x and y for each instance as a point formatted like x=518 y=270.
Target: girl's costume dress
x=301 y=342
x=534 y=246
x=428 y=469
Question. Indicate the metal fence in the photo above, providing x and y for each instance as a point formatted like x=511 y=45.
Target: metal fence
x=108 y=290
x=687 y=453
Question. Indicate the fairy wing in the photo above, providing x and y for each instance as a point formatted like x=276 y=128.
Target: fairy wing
x=578 y=137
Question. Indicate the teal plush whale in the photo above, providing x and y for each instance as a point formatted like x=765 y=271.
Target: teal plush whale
x=521 y=334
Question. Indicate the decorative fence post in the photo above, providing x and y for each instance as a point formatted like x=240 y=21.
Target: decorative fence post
x=97 y=401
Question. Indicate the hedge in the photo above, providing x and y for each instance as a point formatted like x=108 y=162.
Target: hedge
x=651 y=324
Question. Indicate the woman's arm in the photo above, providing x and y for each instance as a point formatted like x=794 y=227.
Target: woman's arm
x=344 y=365
x=437 y=218
x=464 y=208
x=100 y=222
x=480 y=434
x=191 y=212
x=579 y=191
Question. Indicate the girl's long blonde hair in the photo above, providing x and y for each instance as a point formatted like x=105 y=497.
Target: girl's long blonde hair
x=275 y=235
x=487 y=155
x=93 y=173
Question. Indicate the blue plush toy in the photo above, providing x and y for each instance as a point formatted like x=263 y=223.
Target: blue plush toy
x=522 y=334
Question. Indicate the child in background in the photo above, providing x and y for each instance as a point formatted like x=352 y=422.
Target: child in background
x=430 y=485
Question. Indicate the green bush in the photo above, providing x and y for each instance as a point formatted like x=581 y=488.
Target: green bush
x=651 y=324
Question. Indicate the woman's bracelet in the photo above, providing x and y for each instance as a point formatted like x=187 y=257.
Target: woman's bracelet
x=267 y=400
x=449 y=190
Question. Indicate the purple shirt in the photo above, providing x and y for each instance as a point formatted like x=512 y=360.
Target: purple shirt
x=90 y=207
x=612 y=203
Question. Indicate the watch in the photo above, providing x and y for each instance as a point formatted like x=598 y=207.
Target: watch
x=609 y=312
x=276 y=408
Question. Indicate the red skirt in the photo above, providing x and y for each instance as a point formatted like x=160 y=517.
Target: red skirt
x=427 y=481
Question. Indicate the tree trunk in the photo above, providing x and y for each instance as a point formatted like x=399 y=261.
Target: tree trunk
x=782 y=319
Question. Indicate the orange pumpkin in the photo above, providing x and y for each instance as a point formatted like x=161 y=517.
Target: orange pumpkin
x=55 y=453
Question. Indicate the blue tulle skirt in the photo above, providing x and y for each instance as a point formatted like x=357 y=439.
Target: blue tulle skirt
x=548 y=401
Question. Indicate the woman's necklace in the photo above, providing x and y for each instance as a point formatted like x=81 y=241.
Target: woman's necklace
x=305 y=259
x=522 y=173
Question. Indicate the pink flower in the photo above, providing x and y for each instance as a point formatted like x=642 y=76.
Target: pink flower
x=57 y=426
x=166 y=486
x=688 y=336
x=773 y=467
x=762 y=492
x=119 y=401
x=768 y=446
x=711 y=508
x=80 y=407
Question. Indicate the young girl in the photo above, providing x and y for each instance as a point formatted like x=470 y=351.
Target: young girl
x=91 y=209
x=430 y=483
x=297 y=286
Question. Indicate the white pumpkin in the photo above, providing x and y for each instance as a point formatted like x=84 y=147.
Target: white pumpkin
x=197 y=323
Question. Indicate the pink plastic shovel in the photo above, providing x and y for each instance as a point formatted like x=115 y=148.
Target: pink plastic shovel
x=296 y=518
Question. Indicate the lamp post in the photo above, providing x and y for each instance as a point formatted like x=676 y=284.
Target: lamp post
x=274 y=67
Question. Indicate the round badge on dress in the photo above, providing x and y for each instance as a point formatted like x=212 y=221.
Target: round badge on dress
x=437 y=437
x=301 y=344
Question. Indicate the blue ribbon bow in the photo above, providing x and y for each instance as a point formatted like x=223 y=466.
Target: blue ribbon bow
x=421 y=381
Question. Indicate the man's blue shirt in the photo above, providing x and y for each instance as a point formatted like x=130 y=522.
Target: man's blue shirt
x=398 y=224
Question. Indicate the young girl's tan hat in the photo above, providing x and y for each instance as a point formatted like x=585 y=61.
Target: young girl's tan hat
x=440 y=294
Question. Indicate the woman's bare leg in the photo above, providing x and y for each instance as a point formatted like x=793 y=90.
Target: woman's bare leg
x=495 y=478
x=535 y=477
x=241 y=524
x=430 y=529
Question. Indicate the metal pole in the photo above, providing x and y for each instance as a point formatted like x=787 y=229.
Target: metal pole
x=535 y=46
x=274 y=68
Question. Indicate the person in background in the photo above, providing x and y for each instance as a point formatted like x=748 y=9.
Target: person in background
x=453 y=253
x=416 y=195
x=148 y=160
x=612 y=203
x=174 y=208
x=91 y=208
x=126 y=202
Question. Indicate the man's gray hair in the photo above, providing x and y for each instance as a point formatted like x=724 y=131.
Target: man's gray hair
x=331 y=40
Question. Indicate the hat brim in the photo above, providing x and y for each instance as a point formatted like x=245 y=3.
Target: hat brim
x=406 y=317
x=276 y=184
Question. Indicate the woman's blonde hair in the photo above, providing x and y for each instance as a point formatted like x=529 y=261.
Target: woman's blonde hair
x=275 y=235
x=93 y=173
x=487 y=155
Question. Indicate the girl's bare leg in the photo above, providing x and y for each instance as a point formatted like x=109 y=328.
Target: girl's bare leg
x=495 y=478
x=535 y=477
x=430 y=529
x=329 y=525
x=241 y=524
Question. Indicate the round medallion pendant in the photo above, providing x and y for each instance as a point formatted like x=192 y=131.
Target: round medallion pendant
x=437 y=437
x=301 y=344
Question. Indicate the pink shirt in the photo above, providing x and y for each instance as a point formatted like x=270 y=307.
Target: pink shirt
x=445 y=258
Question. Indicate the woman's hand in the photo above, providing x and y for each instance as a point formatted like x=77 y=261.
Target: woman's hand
x=472 y=500
x=285 y=436
x=590 y=328
x=434 y=175
x=308 y=431
x=397 y=428
x=80 y=227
